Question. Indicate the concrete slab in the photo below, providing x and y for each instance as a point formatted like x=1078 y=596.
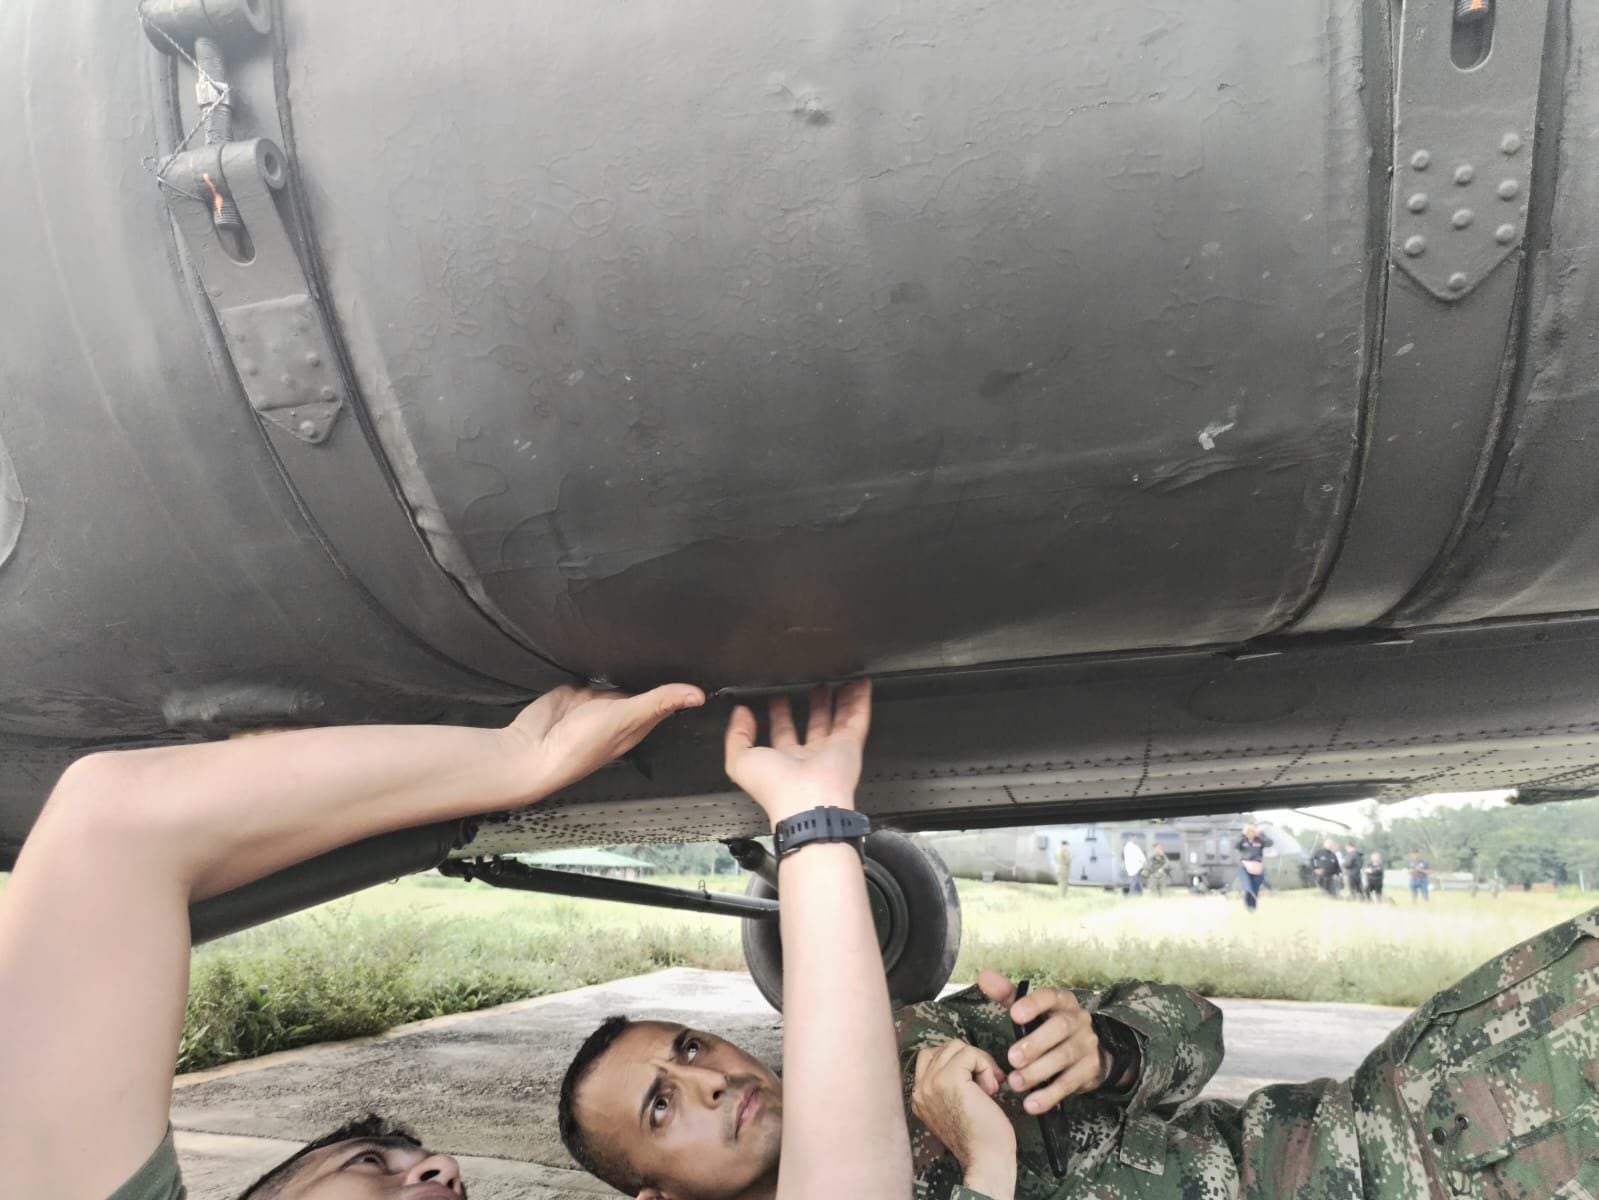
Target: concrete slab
x=483 y=1086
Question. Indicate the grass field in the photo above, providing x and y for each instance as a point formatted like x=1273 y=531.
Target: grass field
x=427 y=946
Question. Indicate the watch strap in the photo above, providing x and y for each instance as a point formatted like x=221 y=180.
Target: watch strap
x=827 y=824
x=1121 y=1048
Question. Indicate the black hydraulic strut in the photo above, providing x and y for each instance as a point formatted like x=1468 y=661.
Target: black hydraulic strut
x=508 y=873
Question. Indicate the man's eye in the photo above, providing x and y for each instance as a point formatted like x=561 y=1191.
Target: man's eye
x=368 y=1158
x=658 y=1110
x=690 y=1049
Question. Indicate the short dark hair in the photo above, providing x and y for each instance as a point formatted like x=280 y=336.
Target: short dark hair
x=605 y=1167
x=368 y=1128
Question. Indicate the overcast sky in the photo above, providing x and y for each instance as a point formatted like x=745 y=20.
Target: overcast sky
x=1354 y=813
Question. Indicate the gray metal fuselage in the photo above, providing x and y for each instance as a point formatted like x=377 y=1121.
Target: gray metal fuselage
x=1175 y=415
x=1200 y=854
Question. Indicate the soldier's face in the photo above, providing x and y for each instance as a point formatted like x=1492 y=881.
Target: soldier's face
x=693 y=1116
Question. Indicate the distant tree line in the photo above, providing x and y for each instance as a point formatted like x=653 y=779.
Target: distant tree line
x=682 y=858
x=1556 y=843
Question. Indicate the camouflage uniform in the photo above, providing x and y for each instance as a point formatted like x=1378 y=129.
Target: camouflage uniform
x=1155 y=871
x=1489 y=1090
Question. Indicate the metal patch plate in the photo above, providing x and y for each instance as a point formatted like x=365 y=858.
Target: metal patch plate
x=1463 y=147
x=285 y=363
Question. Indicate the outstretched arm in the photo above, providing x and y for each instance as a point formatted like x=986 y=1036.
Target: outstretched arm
x=843 y=1127
x=94 y=933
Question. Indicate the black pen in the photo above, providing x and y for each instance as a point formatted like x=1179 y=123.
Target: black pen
x=1052 y=1124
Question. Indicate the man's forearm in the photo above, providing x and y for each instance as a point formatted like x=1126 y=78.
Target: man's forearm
x=94 y=934
x=843 y=1124
x=99 y=902
x=225 y=813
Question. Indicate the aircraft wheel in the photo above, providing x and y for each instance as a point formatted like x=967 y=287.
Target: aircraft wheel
x=914 y=907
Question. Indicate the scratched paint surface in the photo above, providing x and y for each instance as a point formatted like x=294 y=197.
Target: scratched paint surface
x=770 y=342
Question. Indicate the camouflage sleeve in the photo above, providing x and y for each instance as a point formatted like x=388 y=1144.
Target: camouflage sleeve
x=962 y=1192
x=1179 y=1041
x=917 y=1027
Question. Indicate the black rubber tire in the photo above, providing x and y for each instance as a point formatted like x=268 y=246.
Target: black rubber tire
x=912 y=891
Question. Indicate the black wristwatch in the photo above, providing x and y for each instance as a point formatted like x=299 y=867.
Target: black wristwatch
x=821 y=825
x=1120 y=1045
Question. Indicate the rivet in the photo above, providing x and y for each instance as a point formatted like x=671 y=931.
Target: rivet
x=1420 y=160
x=328 y=393
x=1464 y=174
x=1415 y=245
x=1510 y=144
x=1509 y=189
x=1417 y=203
x=1462 y=218
x=307 y=428
x=1458 y=281
x=1505 y=234
x=312 y=359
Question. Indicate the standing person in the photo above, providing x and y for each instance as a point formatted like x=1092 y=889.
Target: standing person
x=1354 y=860
x=1420 y=877
x=1252 y=863
x=1324 y=865
x=1155 y=871
x=1063 y=867
x=1133 y=863
x=1374 y=873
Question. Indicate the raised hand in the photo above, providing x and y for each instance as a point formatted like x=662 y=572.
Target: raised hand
x=1058 y=1059
x=791 y=776
x=571 y=732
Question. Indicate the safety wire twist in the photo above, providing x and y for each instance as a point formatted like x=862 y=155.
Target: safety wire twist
x=218 y=93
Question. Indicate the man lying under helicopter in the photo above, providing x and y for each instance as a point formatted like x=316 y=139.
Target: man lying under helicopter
x=94 y=933
x=1490 y=1089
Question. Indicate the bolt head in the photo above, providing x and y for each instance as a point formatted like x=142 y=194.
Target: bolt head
x=1415 y=245
x=1462 y=218
x=1505 y=234
x=1510 y=144
x=1464 y=174
x=1417 y=202
x=307 y=428
x=1420 y=160
x=328 y=393
x=1509 y=189
x=313 y=359
x=1457 y=282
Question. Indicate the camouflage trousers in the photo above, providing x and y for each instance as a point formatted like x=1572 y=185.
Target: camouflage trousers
x=1489 y=1090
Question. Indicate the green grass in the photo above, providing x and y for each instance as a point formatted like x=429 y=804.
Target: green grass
x=422 y=948
x=427 y=946
x=1299 y=946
